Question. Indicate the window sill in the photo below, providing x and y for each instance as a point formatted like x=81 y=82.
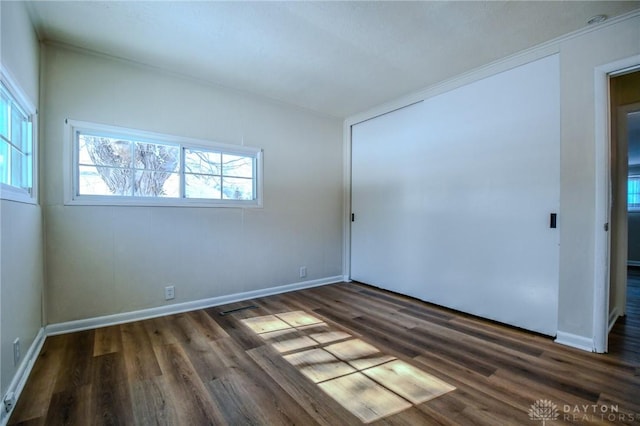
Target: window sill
x=18 y=195
x=160 y=202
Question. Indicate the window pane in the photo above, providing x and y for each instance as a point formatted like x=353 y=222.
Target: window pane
x=103 y=181
x=27 y=137
x=156 y=184
x=235 y=165
x=202 y=186
x=237 y=189
x=158 y=157
x=27 y=172
x=16 y=145
x=18 y=135
x=633 y=192
x=4 y=162
x=104 y=151
x=17 y=166
x=202 y=162
x=4 y=114
x=113 y=161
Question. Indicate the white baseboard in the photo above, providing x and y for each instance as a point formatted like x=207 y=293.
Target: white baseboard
x=103 y=321
x=575 y=341
x=20 y=377
x=613 y=317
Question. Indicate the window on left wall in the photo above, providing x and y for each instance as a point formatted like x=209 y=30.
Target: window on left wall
x=17 y=139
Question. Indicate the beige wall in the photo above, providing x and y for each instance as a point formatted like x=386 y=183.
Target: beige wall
x=108 y=260
x=579 y=58
x=21 y=257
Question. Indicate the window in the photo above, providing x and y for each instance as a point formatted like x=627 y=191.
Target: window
x=633 y=193
x=122 y=166
x=16 y=143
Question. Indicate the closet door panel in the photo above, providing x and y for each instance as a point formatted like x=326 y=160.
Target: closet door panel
x=452 y=198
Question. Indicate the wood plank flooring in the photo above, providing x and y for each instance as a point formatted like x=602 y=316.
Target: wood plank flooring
x=201 y=368
x=624 y=339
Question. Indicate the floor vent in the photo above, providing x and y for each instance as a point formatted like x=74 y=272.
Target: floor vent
x=243 y=308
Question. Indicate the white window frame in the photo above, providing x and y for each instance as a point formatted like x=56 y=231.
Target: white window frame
x=9 y=192
x=74 y=127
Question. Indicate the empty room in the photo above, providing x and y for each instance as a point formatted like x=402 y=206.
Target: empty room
x=319 y=212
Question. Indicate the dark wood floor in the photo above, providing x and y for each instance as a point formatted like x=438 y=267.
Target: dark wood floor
x=202 y=368
x=624 y=339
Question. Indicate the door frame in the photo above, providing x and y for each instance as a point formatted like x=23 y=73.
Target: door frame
x=622 y=114
x=602 y=261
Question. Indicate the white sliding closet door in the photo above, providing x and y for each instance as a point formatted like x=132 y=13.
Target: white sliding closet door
x=452 y=198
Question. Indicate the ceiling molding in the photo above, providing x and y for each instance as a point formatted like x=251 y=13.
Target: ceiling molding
x=504 y=64
x=336 y=59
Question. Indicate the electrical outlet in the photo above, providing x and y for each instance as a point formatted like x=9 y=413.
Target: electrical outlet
x=16 y=351
x=169 y=292
x=303 y=271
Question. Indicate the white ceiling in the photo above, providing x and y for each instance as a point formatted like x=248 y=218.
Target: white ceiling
x=338 y=58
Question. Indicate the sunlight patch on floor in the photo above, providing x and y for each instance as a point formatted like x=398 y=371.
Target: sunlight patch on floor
x=365 y=398
x=408 y=381
x=298 y=318
x=288 y=340
x=370 y=384
x=319 y=365
x=358 y=353
x=265 y=323
x=329 y=336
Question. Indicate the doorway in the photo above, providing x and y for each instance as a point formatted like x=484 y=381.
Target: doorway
x=625 y=206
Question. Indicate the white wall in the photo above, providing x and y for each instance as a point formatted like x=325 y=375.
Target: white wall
x=107 y=260
x=21 y=261
x=580 y=55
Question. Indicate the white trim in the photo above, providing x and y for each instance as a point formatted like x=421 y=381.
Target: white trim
x=22 y=373
x=18 y=195
x=144 y=135
x=575 y=341
x=613 y=317
x=346 y=227
x=107 y=320
x=602 y=134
